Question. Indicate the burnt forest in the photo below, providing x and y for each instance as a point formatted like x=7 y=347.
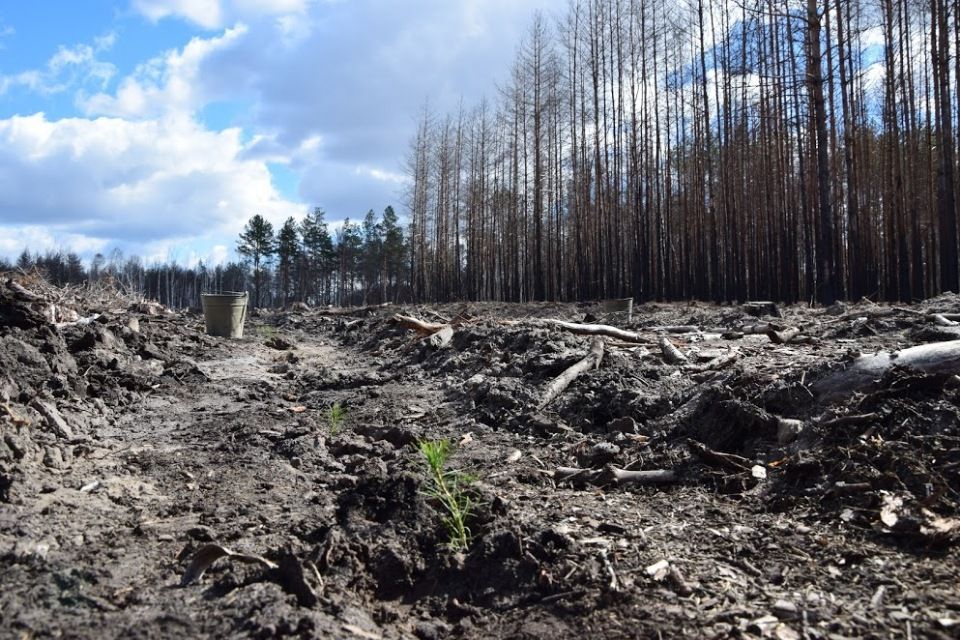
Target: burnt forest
x=660 y=339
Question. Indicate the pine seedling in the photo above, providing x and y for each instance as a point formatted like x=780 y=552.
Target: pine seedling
x=335 y=417
x=449 y=488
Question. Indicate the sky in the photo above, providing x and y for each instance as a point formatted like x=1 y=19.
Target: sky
x=159 y=127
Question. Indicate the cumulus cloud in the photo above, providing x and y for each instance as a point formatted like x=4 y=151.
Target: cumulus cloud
x=331 y=91
x=67 y=67
x=170 y=83
x=214 y=14
x=135 y=181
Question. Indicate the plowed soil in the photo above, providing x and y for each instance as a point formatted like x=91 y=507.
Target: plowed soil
x=131 y=441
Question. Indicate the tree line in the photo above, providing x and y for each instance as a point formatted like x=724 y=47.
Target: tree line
x=303 y=261
x=711 y=149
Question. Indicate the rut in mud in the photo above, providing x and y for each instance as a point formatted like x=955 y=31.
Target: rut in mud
x=132 y=443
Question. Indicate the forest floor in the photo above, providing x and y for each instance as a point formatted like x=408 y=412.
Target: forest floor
x=137 y=451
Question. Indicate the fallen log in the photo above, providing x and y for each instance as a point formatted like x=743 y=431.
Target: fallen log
x=942 y=320
x=598 y=330
x=420 y=326
x=561 y=382
x=934 y=358
x=671 y=354
x=681 y=328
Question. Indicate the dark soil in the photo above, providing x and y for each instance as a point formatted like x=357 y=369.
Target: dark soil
x=131 y=440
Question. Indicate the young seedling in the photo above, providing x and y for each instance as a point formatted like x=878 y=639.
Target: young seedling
x=335 y=417
x=449 y=488
x=267 y=332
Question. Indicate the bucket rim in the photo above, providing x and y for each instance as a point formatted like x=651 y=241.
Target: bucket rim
x=226 y=294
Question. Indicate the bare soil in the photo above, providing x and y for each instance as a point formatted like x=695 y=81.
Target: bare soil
x=132 y=441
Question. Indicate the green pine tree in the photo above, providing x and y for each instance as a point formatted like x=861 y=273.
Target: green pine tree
x=319 y=255
x=394 y=252
x=288 y=248
x=257 y=245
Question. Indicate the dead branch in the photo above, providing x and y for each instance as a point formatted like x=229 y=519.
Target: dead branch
x=598 y=330
x=561 y=382
x=717 y=363
x=421 y=326
x=613 y=475
x=727 y=461
x=670 y=353
x=850 y=420
x=681 y=328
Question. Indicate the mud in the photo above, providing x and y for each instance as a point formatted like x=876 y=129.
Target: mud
x=131 y=440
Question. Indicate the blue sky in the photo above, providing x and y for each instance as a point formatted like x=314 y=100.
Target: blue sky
x=160 y=126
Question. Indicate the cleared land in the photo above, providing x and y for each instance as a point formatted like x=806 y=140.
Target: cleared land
x=707 y=471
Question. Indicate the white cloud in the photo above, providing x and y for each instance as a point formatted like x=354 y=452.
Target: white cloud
x=67 y=67
x=333 y=90
x=167 y=83
x=214 y=14
x=14 y=239
x=136 y=182
x=205 y=13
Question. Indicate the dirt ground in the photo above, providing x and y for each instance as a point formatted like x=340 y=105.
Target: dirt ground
x=791 y=503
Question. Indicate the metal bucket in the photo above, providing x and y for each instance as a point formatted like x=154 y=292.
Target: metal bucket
x=225 y=313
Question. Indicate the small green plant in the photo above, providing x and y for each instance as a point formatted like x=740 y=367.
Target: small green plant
x=450 y=489
x=267 y=332
x=336 y=415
